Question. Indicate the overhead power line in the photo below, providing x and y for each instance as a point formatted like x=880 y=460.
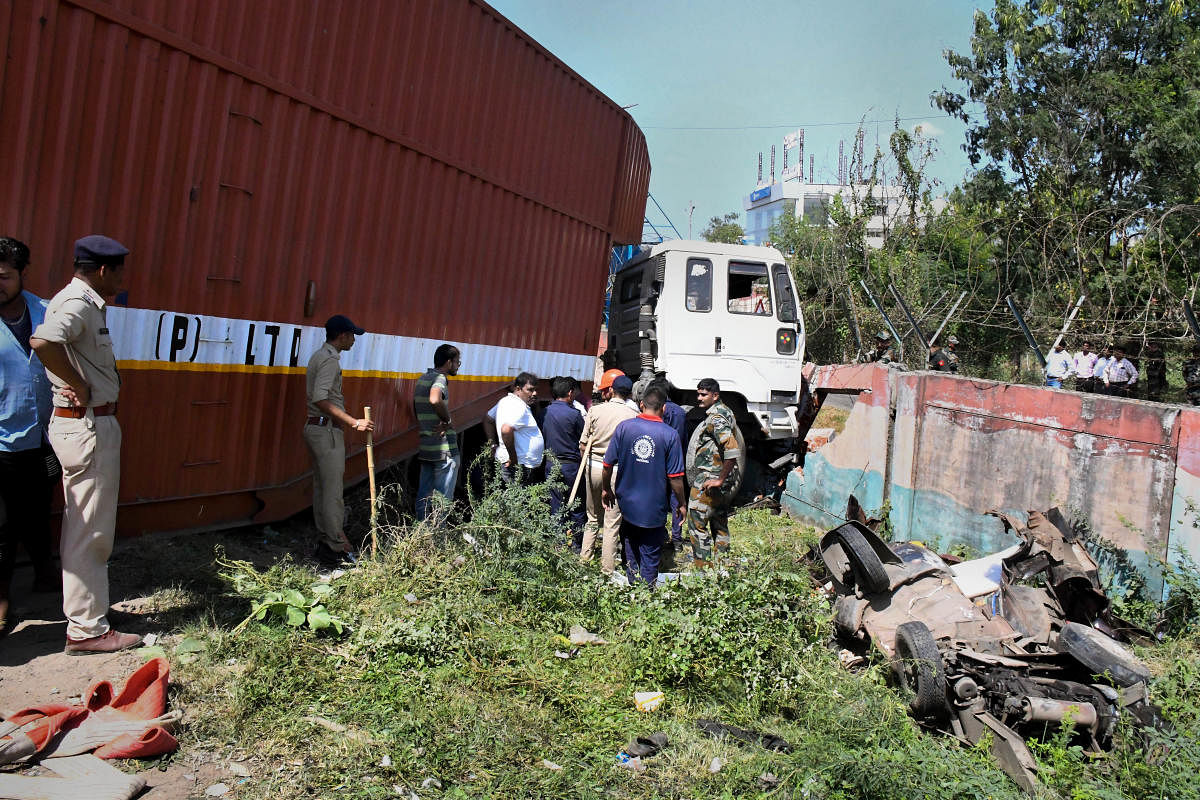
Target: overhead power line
x=789 y=124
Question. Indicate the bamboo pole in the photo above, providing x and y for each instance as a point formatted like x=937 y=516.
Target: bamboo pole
x=371 y=479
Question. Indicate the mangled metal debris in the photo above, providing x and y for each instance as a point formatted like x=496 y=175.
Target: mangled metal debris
x=1012 y=645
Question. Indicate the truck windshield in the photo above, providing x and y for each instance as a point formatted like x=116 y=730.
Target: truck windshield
x=783 y=291
x=749 y=289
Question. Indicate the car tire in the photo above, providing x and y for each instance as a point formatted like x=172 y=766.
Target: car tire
x=1102 y=654
x=919 y=670
x=865 y=565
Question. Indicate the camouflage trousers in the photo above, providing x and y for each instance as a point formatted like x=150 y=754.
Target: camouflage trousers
x=708 y=525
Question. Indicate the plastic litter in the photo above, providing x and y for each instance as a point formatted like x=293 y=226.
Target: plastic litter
x=648 y=701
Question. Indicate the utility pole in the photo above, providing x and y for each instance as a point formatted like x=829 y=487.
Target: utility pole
x=691 y=210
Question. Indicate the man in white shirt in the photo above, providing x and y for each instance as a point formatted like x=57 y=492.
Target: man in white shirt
x=521 y=447
x=1084 y=367
x=1058 y=366
x=1098 y=370
x=1120 y=375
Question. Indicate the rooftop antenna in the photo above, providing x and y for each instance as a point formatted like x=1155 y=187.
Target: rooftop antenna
x=772 y=165
x=811 y=170
x=760 y=168
x=800 y=158
x=841 y=162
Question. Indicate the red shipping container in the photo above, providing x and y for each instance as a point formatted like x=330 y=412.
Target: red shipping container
x=425 y=168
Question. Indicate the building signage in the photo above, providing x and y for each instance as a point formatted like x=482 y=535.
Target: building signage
x=759 y=194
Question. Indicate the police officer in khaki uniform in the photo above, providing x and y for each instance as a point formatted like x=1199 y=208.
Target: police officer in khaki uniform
x=326 y=442
x=74 y=345
x=598 y=428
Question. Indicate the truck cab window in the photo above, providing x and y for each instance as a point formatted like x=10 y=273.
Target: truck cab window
x=699 y=285
x=783 y=291
x=749 y=289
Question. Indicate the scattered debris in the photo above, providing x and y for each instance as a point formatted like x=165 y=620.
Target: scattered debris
x=431 y=783
x=999 y=647
x=648 y=701
x=768 y=780
x=715 y=765
x=411 y=598
x=631 y=763
x=550 y=765
x=216 y=790
x=239 y=769
x=768 y=741
x=150 y=639
x=580 y=636
x=386 y=761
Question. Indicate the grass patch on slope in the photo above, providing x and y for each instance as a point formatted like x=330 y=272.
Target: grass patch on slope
x=447 y=683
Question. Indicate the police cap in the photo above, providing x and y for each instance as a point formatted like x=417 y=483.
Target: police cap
x=622 y=383
x=97 y=249
x=337 y=325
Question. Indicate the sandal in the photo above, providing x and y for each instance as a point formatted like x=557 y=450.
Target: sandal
x=646 y=746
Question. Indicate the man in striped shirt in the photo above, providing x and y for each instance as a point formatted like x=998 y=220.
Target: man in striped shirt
x=439 y=455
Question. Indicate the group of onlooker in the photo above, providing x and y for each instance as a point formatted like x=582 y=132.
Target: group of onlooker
x=1108 y=371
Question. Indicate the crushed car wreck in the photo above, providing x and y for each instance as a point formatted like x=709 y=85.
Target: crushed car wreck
x=1012 y=645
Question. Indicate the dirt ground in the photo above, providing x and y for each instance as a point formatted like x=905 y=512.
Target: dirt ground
x=144 y=574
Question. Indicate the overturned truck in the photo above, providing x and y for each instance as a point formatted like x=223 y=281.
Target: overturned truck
x=1015 y=644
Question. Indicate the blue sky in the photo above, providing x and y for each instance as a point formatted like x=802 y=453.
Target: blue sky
x=750 y=73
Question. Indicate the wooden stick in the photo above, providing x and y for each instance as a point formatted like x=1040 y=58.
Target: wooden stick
x=371 y=478
x=587 y=454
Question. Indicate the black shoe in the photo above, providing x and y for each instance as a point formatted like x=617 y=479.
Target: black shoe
x=328 y=558
x=678 y=547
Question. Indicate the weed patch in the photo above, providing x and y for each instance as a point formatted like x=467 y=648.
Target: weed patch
x=450 y=673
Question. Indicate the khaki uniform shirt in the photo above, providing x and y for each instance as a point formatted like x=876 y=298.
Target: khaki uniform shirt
x=600 y=423
x=323 y=379
x=76 y=319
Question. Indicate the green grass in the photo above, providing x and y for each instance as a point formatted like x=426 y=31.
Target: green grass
x=463 y=685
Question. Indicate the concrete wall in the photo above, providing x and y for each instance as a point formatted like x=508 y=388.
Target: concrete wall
x=942 y=450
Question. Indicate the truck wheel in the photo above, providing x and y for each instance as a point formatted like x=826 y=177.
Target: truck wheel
x=864 y=567
x=1101 y=654
x=919 y=671
x=736 y=484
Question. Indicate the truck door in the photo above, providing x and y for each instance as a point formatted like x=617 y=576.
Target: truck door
x=751 y=326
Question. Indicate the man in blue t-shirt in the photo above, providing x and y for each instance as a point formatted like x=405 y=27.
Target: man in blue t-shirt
x=649 y=459
x=562 y=427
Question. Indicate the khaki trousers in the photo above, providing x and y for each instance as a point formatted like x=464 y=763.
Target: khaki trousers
x=327 y=447
x=89 y=450
x=606 y=521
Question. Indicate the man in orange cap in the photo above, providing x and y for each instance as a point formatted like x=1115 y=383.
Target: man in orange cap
x=598 y=427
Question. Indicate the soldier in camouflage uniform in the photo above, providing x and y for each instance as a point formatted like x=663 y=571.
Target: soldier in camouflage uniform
x=1191 y=376
x=715 y=470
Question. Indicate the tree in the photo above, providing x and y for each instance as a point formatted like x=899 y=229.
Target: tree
x=1082 y=118
x=1087 y=103
x=725 y=229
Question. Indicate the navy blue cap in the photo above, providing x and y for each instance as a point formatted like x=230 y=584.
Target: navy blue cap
x=622 y=383
x=97 y=249
x=337 y=325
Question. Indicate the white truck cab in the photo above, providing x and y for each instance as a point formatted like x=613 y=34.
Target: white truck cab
x=692 y=309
